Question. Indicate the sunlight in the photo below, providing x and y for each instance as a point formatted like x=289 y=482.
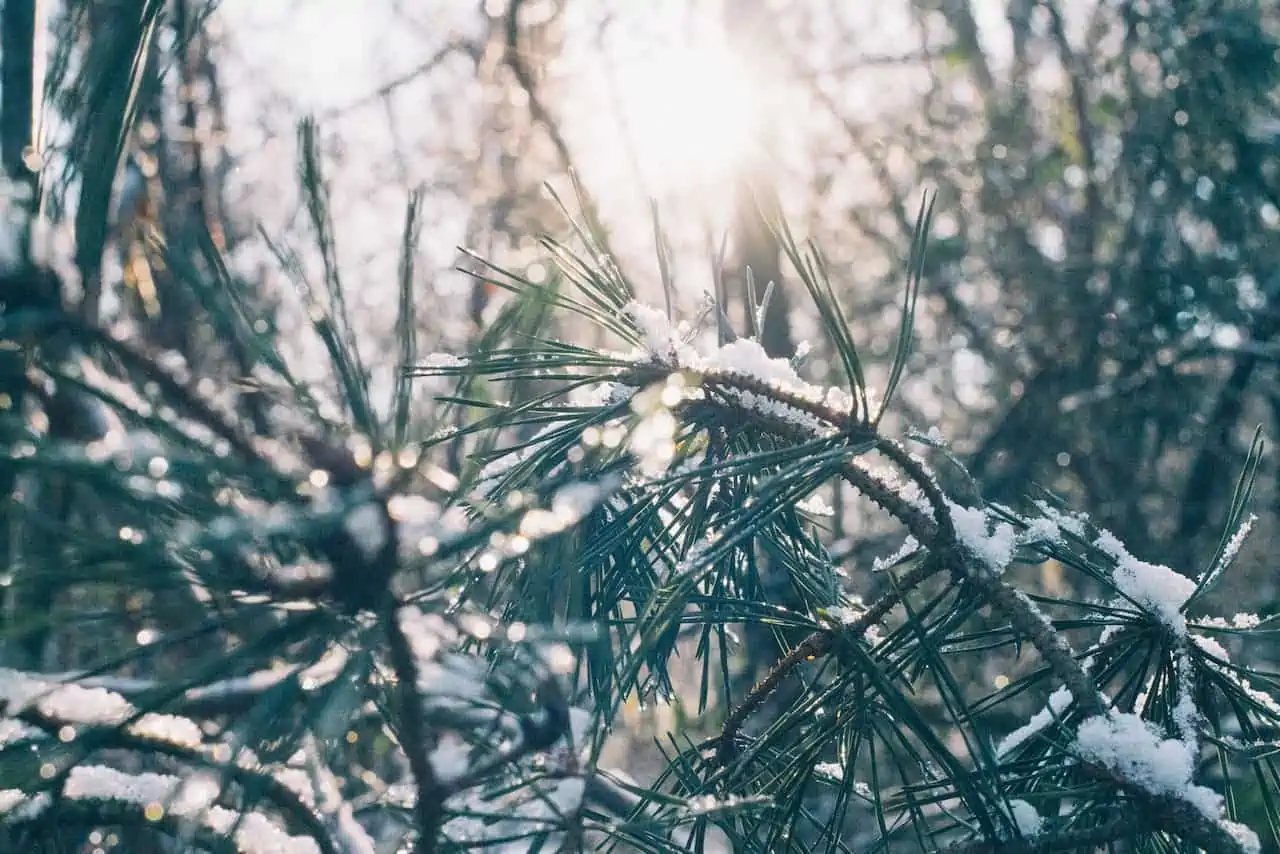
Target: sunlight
x=689 y=112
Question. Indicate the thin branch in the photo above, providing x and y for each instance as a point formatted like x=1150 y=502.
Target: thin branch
x=923 y=478
x=959 y=16
x=515 y=60
x=535 y=737
x=880 y=61
x=817 y=645
x=428 y=65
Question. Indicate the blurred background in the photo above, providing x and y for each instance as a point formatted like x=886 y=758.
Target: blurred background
x=1099 y=313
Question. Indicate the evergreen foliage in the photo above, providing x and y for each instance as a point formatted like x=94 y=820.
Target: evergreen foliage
x=346 y=639
x=339 y=618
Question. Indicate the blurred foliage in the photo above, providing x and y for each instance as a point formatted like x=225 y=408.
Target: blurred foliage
x=394 y=596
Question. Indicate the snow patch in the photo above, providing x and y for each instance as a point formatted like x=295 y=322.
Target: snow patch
x=444 y=360
x=993 y=544
x=1058 y=702
x=658 y=336
x=169 y=728
x=831 y=770
x=744 y=358
x=191 y=799
x=1029 y=821
x=1135 y=751
x=1131 y=747
x=1156 y=589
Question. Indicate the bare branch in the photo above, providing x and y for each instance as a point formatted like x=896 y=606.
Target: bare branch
x=515 y=60
x=466 y=48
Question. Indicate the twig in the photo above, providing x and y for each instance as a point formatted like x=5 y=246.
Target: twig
x=1200 y=486
x=425 y=67
x=1077 y=75
x=921 y=526
x=535 y=738
x=816 y=645
x=514 y=59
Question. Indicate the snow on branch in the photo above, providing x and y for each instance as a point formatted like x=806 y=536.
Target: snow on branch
x=977 y=546
x=156 y=796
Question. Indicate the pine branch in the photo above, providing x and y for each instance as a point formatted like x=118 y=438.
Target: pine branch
x=937 y=533
x=817 y=645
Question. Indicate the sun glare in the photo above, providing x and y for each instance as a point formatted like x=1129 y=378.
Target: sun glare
x=689 y=111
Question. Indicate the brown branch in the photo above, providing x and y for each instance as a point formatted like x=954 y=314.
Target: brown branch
x=919 y=523
x=916 y=471
x=816 y=645
x=717 y=380
x=922 y=527
x=1027 y=620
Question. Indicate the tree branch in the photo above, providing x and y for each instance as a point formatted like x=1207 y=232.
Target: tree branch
x=1086 y=226
x=816 y=645
x=514 y=59
x=428 y=65
x=938 y=535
